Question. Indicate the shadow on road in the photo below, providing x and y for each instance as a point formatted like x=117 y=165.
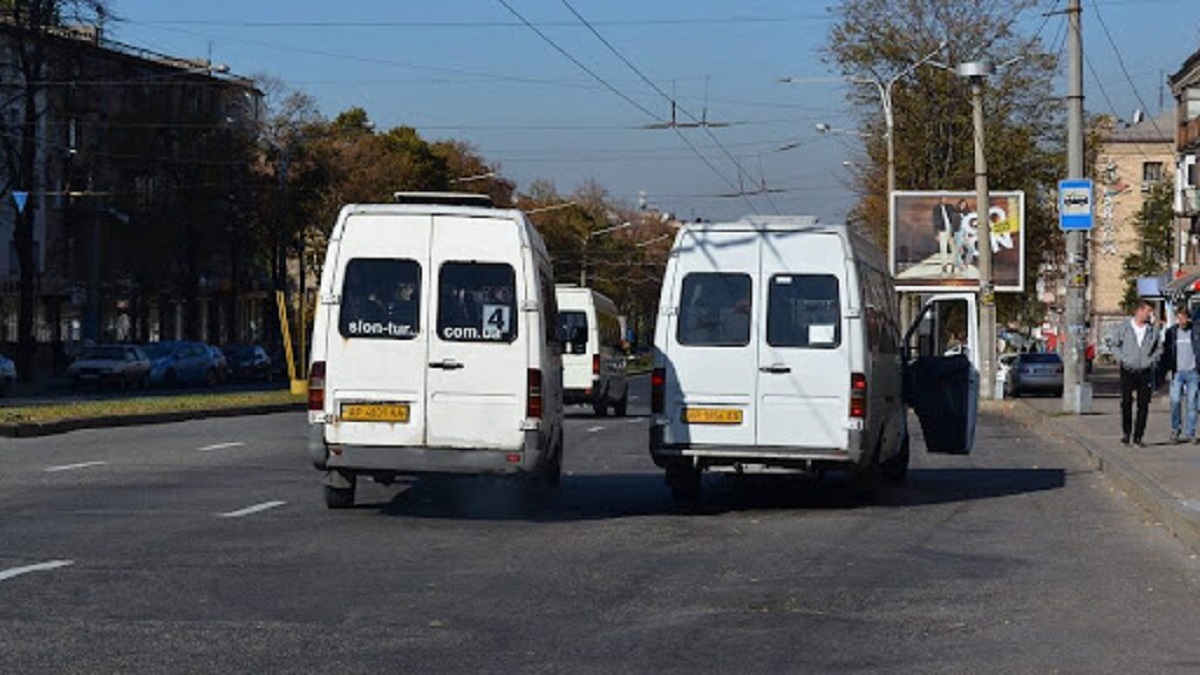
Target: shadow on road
x=608 y=496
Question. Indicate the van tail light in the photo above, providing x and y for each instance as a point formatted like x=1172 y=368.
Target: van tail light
x=316 y=386
x=533 y=385
x=596 y=365
x=658 y=390
x=858 y=396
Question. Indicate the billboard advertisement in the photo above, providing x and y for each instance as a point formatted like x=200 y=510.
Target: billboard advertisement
x=935 y=241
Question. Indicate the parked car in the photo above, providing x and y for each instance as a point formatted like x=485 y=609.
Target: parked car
x=220 y=362
x=8 y=376
x=248 y=362
x=1035 y=372
x=121 y=366
x=175 y=363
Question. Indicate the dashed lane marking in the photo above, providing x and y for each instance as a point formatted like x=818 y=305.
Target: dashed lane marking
x=220 y=446
x=11 y=572
x=594 y=430
x=71 y=467
x=249 y=510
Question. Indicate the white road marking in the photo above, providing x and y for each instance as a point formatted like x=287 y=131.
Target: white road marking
x=594 y=430
x=634 y=420
x=39 y=567
x=252 y=509
x=635 y=398
x=69 y=467
x=220 y=446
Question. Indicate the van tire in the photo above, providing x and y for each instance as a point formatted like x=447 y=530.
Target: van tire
x=621 y=407
x=896 y=468
x=600 y=405
x=684 y=482
x=866 y=480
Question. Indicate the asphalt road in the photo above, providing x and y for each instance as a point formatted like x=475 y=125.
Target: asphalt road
x=205 y=547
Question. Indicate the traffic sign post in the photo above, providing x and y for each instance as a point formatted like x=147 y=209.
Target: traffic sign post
x=1075 y=205
x=20 y=197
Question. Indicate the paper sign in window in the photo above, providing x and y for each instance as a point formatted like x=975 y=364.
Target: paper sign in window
x=821 y=334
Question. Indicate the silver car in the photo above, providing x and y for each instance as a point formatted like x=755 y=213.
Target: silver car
x=120 y=366
x=1035 y=372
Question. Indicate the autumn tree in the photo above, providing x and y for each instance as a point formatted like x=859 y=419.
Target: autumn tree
x=1155 y=230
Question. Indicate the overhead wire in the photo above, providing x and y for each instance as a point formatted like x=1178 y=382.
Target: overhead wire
x=616 y=52
x=1121 y=63
x=618 y=92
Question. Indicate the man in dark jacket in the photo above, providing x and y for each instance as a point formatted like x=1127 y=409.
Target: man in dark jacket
x=1181 y=347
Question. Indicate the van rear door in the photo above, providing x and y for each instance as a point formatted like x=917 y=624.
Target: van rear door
x=713 y=340
x=941 y=377
x=376 y=349
x=480 y=351
x=803 y=367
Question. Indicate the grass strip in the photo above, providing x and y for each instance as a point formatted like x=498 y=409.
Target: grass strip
x=145 y=405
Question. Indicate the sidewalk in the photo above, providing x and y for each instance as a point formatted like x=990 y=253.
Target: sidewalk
x=1163 y=477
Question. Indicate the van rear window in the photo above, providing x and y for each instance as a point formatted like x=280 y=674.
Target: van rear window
x=803 y=310
x=477 y=302
x=381 y=298
x=570 y=322
x=714 y=310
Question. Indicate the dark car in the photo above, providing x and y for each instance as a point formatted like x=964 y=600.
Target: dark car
x=8 y=376
x=248 y=362
x=175 y=363
x=1035 y=372
x=121 y=366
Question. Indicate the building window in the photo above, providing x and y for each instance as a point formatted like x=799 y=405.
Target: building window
x=1152 y=172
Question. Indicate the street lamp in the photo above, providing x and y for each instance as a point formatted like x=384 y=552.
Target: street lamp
x=468 y=179
x=586 y=238
x=552 y=207
x=826 y=129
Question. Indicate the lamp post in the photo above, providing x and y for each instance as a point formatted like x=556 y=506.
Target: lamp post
x=468 y=179
x=975 y=72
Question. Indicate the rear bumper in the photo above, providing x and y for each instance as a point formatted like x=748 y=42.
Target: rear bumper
x=797 y=457
x=424 y=460
x=572 y=396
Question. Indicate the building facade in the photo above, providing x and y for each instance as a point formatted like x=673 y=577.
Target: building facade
x=141 y=200
x=1130 y=160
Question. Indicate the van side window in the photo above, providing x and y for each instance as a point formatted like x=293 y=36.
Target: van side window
x=549 y=304
x=804 y=310
x=477 y=302
x=715 y=310
x=381 y=298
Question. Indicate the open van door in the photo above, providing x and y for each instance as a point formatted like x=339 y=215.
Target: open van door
x=941 y=374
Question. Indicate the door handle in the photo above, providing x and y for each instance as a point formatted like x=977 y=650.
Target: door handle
x=775 y=368
x=448 y=364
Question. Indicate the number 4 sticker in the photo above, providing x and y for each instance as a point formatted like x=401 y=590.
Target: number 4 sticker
x=496 y=321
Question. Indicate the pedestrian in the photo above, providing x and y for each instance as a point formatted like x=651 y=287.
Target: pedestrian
x=1138 y=347
x=1181 y=345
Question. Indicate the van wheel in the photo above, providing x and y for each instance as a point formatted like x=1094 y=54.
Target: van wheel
x=684 y=482
x=621 y=408
x=867 y=480
x=340 y=498
x=896 y=468
x=600 y=405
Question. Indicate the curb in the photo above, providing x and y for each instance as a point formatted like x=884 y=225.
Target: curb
x=34 y=429
x=1140 y=486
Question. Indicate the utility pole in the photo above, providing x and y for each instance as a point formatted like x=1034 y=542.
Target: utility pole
x=975 y=71
x=1077 y=391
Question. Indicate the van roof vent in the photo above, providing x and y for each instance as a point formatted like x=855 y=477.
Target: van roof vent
x=444 y=198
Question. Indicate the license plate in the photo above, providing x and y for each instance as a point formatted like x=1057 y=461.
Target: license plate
x=375 y=412
x=712 y=416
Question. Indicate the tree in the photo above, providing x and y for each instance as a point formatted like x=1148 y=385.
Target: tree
x=874 y=39
x=30 y=22
x=1154 y=226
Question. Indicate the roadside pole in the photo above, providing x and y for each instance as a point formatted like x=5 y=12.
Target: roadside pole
x=1077 y=391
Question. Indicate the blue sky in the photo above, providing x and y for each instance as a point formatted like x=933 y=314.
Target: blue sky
x=461 y=69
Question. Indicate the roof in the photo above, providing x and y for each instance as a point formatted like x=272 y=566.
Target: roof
x=1157 y=129
x=1187 y=75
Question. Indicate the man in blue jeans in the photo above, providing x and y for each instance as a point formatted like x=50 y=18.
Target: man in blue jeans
x=1181 y=346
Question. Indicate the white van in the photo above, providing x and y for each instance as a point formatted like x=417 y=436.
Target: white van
x=777 y=349
x=594 y=362
x=435 y=346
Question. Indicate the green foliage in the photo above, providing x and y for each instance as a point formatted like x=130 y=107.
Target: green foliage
x=1154 y=226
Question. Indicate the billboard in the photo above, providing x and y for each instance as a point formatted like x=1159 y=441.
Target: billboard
x=935 y=242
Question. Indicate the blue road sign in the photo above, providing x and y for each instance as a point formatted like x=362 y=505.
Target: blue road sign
x=20 y=197
x=1075 y=204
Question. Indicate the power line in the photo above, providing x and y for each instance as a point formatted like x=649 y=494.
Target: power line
x=616 y=52
x=1121 y=64
x=480 y=24
x=613 y=89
